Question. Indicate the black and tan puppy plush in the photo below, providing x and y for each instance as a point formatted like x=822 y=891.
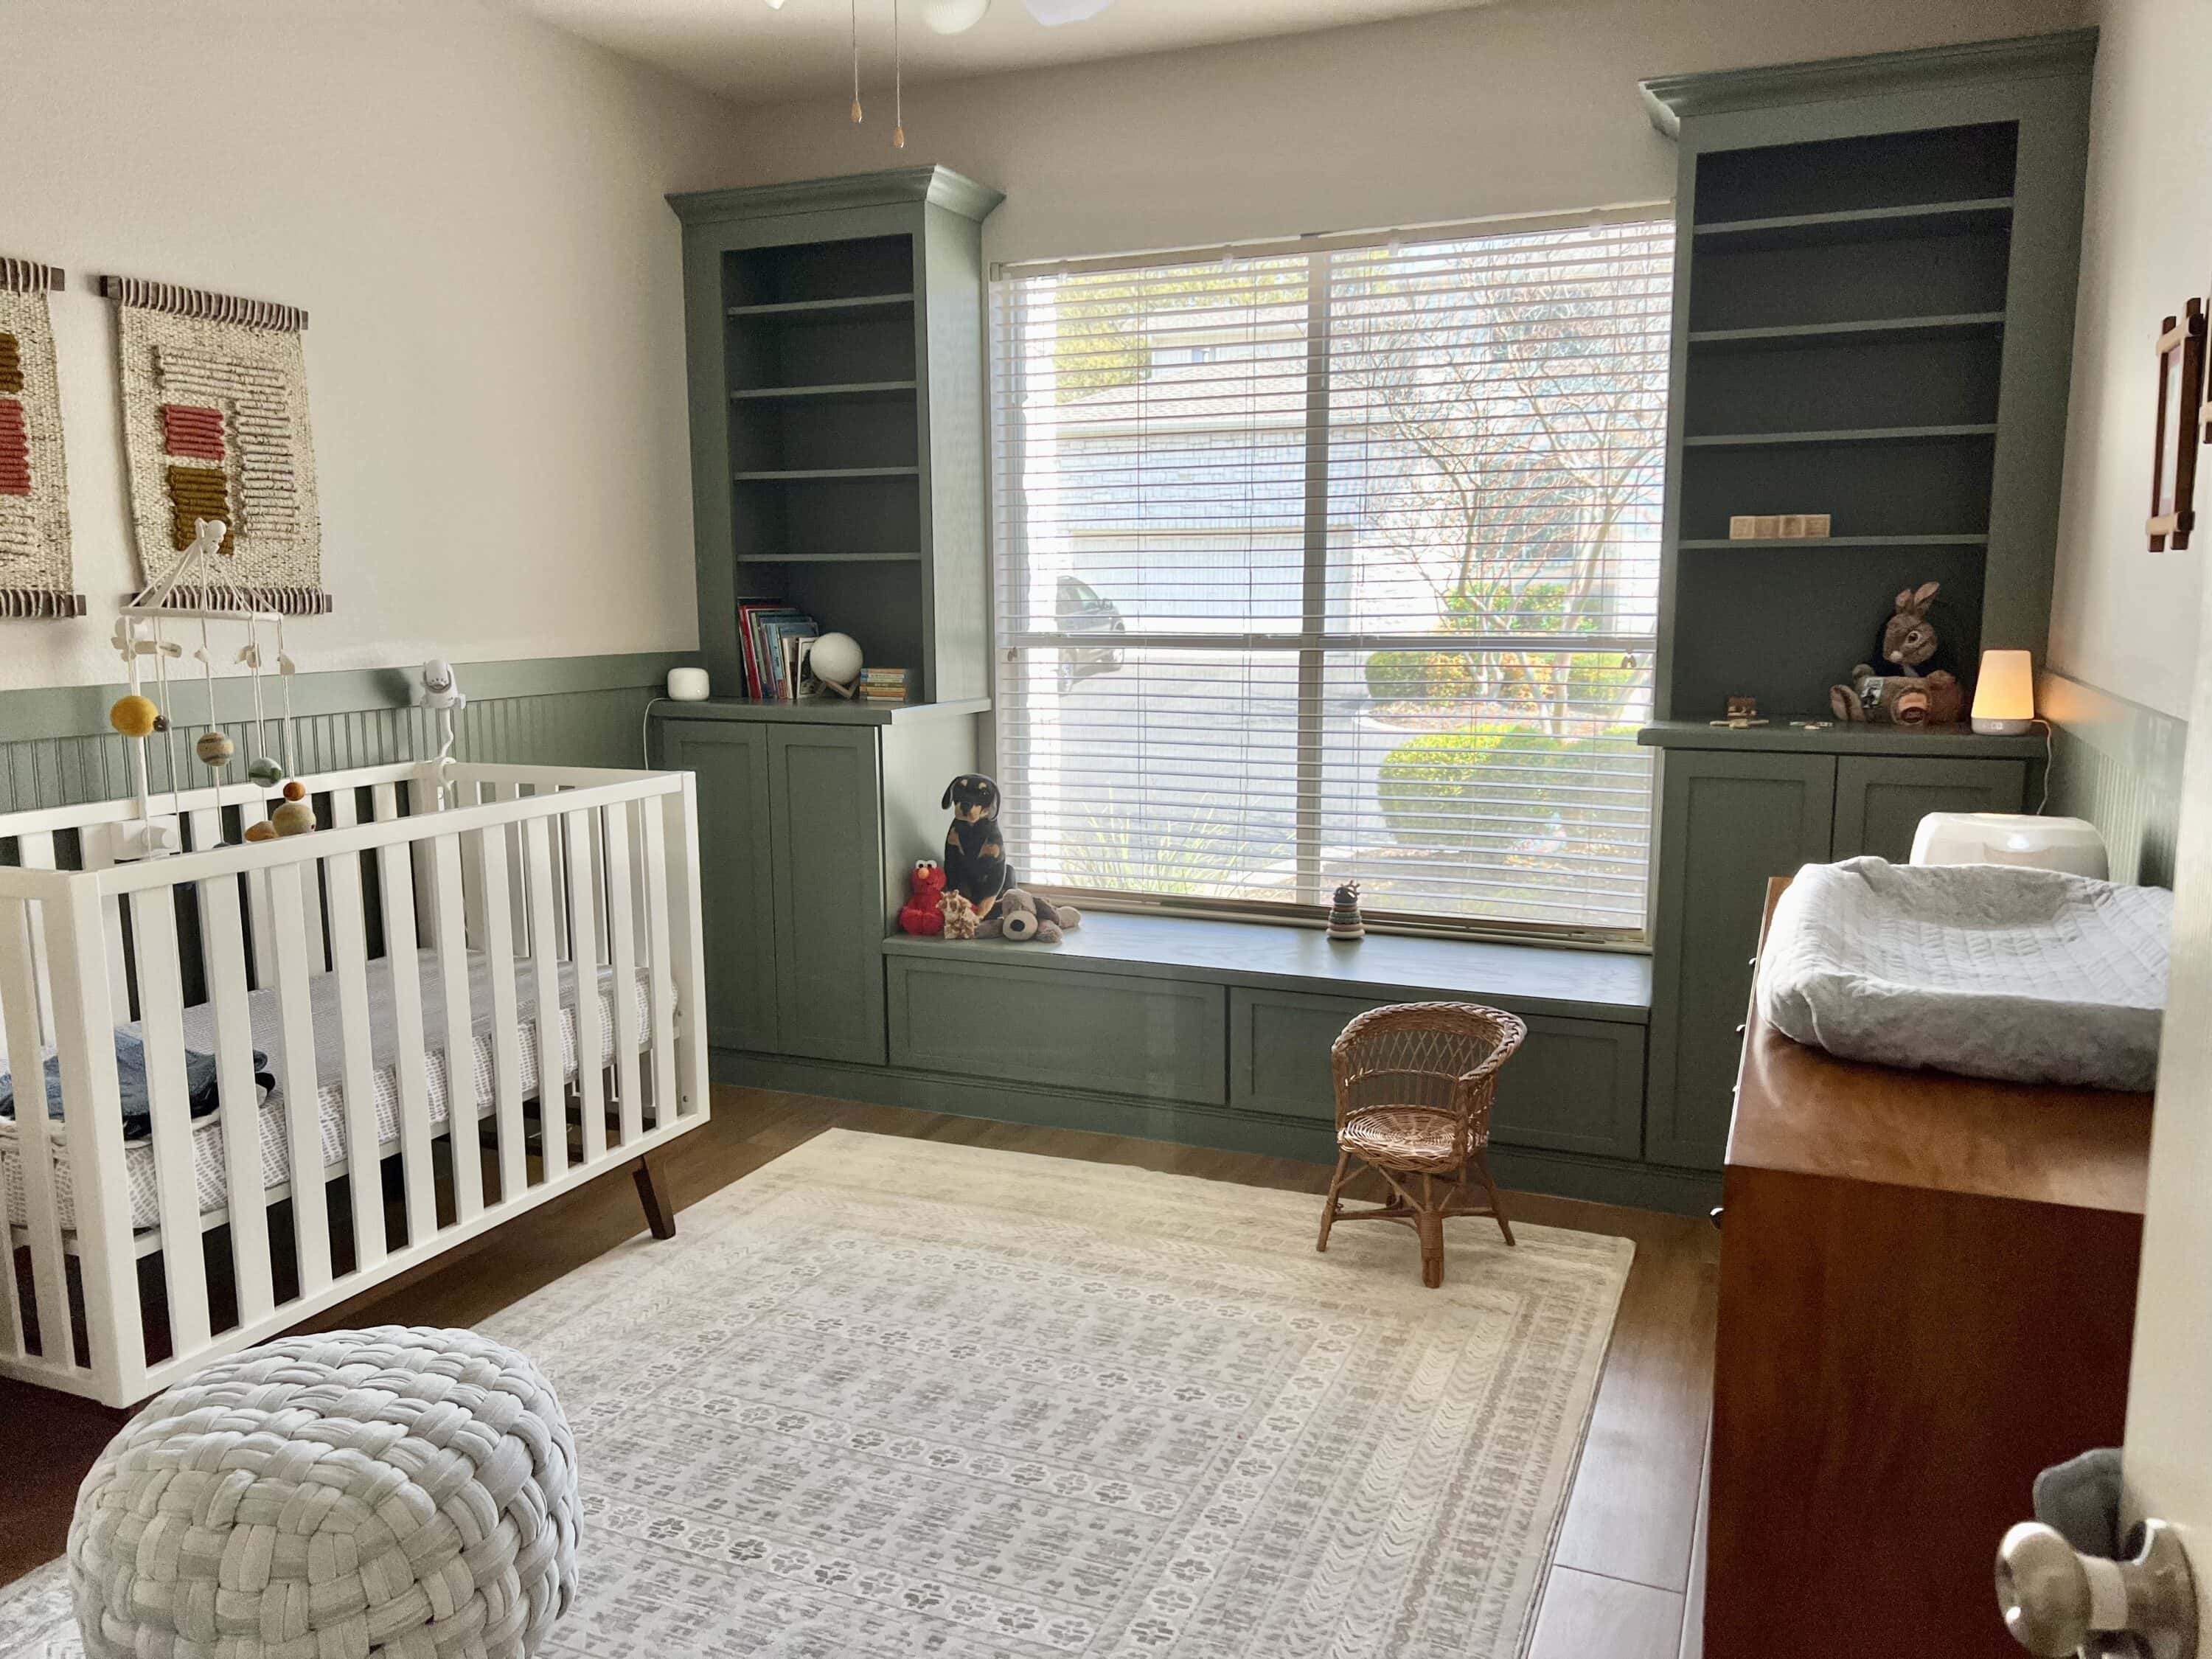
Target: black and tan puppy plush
x=974 y=852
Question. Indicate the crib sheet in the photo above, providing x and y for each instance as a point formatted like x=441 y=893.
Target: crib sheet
x=275 y=1131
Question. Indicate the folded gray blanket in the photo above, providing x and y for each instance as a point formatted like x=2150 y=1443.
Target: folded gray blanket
x=130 y=1075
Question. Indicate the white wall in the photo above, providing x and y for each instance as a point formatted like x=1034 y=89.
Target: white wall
x=2124 y=618
x=1527 y=106
x=468 y=204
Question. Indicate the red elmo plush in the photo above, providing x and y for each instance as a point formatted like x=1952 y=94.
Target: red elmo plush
x=926 y=886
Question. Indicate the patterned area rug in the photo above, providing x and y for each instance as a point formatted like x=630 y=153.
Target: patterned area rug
x=886 y=1398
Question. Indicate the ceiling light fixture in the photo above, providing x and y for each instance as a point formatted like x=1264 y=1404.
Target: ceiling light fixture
x=952 y=16
x=945 y=17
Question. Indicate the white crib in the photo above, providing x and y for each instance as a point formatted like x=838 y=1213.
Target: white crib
x=469 y=1002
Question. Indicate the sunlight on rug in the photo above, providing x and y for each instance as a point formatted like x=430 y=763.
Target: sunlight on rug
x=888 y=1397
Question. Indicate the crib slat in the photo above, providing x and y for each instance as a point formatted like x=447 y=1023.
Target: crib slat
x=621 y=943
x=34 y=1144
x=472 y=874
x=160 y=997
x=253 y=810
x=545 y=965
x=223 y=951
x=687 y=948
x=498 y=948
x=88 y=1003
x=410 y=1053
x=462 y=1102
x=37 y=852
x=290 y=964
x=98 y=855
x=584 y=942
x=661 y=981
x=357 y=1066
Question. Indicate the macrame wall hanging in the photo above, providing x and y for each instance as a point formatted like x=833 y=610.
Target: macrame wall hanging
x=215 y=422
x=35 y=574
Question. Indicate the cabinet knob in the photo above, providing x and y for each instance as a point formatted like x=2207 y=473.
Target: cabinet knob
x=1713 y=1215
x=1740 y=1030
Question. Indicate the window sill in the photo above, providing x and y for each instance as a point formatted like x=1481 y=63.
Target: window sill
x=1534 y=979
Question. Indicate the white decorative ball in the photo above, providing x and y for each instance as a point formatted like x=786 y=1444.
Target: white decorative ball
x=836 y=659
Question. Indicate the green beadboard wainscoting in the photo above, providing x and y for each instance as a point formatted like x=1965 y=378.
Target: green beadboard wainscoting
x=56 y=748
x=2118 y=764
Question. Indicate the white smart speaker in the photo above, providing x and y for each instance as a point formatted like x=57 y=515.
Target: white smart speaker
x=687 y=684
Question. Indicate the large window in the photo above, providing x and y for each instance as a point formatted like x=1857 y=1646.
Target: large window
x=1336 y=563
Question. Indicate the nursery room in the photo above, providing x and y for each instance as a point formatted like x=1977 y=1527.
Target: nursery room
x=1034 y=657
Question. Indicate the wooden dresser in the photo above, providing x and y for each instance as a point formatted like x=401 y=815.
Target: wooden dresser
x=1927 y=1295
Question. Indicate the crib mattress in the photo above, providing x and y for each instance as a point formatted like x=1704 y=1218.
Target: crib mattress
x=1989 y=971
x=208 y=1136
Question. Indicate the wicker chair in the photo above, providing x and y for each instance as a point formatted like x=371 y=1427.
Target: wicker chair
x=1414 y=1085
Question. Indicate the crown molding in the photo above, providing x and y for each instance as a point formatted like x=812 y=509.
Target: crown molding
x=898 y=186
x=1670 y=100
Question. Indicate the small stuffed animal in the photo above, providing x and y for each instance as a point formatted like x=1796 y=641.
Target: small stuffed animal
x=959 y=915
x=974 y=852
x=1909 y=697
x=1024 y=916
x=921 y=913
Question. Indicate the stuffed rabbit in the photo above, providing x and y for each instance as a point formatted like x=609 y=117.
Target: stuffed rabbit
x=1907 y=697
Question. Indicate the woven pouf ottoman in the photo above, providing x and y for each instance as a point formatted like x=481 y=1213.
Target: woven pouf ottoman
x=391 y=1493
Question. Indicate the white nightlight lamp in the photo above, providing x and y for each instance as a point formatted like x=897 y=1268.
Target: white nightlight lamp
x=2004 y=696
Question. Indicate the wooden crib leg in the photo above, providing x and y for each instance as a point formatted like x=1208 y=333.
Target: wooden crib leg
x=652 y=1193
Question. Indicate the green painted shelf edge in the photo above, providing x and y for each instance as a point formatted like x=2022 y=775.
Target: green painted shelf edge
x=825 y=474
x=1534 y=978
x=775 y=394
x=825 y=310
x=817 y=711
x=1847 y=219
x=1869 y=435
x=1781 y=737
x=1879 y=329
x=1710 y=544
x=829 y=558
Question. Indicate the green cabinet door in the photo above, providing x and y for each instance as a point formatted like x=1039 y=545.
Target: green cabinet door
x=826 y=811
x=1880 y=799
x=1727 y=821
x=737 y=897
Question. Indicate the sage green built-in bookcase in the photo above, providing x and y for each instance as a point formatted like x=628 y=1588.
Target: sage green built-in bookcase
x=1875 y=269
x=1874 y=282
x=836 y=332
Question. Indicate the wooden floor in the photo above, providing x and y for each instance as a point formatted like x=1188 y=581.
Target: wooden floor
x=1621 y=1577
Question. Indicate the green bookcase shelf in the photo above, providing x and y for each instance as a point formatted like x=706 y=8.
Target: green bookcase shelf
x=1866 y=333
x=836 y=330
x=1866 y=434
x=1814 y=543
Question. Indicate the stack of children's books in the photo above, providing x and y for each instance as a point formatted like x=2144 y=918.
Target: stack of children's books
x=884 y=684
x=775 y=640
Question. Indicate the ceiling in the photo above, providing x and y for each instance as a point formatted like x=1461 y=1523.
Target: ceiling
x=746 y=51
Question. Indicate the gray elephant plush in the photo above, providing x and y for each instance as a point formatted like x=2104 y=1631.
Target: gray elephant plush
x=1023 y=916
x=1907 y=697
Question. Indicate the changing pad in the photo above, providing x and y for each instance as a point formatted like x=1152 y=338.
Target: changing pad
x=2026 y=975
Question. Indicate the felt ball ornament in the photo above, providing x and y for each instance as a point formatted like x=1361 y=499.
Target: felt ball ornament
x=214 y=748
x=293 y=818
x=261 y=832
x=294 y=790
x=264 y=771
x=134 y=716
x=836 y=659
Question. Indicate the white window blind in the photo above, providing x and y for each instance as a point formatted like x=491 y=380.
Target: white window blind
x=1339 y=564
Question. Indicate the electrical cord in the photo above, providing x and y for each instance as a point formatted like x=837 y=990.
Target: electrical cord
x=2048 y=763
x=645 y=730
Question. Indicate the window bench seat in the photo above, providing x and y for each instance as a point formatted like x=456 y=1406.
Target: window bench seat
x=1218 y=1032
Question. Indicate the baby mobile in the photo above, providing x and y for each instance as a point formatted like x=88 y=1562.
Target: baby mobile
x=141 y=634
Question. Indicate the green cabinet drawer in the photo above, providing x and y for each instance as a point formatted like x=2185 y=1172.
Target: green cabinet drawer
x=1880 y=799
x=1576 y=1085
x=1114 y=1033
